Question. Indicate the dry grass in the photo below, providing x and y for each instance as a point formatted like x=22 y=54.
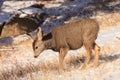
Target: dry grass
x=20 y=64
x=16 y=69
x=108 y=21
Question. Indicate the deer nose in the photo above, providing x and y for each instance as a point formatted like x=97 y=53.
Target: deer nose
x=35 y=56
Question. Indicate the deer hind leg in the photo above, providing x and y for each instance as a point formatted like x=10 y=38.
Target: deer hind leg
x=96 y=55
x=87 y=56
x=63 y=52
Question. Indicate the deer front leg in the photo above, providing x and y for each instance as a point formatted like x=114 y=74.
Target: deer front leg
x=63 y=52
x=87 y=57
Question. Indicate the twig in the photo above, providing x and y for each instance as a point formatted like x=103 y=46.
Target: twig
x=118 y=38
x=8 y=49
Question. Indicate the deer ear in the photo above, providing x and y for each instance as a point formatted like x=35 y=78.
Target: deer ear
x=39 y=34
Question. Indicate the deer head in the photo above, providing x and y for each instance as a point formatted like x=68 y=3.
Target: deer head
x=38 y=44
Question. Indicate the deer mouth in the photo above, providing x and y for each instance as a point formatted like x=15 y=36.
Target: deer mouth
x=36 y=55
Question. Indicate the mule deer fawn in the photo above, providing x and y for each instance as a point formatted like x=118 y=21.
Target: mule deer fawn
x=70 y=36
x=17 y=26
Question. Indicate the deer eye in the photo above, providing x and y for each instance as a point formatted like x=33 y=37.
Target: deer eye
x=36 y=47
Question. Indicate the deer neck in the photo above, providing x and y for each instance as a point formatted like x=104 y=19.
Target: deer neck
x=48 y=44
x=47 y=40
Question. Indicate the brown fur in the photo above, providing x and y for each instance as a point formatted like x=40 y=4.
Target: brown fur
x=70 y=36
x=18 y=26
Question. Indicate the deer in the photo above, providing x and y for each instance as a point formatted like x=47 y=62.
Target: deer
x=17 y=26
x=71 y=36
x=22 y=22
